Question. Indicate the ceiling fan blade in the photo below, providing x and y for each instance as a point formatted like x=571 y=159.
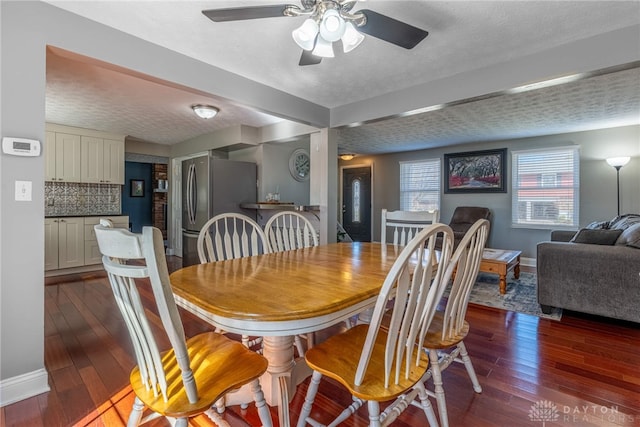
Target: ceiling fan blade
x=308 y=58
x=242 y=13
x=391 y=30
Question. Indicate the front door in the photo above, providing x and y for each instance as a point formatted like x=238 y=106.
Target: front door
x=356 y=203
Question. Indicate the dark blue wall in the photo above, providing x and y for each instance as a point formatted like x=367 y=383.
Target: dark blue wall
x=139 y=209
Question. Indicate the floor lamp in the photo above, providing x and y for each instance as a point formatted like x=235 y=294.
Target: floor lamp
x=618 y=162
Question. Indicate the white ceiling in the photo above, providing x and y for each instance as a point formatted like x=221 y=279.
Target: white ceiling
x=464 y=36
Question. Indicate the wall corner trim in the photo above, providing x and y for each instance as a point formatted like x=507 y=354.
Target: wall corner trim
x=23 y=386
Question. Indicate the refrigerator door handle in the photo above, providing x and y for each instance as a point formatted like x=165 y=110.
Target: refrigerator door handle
x=190 y=194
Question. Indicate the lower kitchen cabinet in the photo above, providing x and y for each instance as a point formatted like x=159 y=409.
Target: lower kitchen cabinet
x=64 y=242
x=71 y=241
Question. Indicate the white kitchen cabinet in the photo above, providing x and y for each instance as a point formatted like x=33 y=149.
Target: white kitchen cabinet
x=83 y=155
x=102 y=160
x=50 y=244
x=64 y=242
x=92 y=253
x=62 y=157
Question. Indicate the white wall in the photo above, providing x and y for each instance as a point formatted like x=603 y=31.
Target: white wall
x=598 y=199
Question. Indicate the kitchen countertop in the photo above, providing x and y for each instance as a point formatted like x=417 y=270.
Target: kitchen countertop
x=83 y=215
x=280 y=206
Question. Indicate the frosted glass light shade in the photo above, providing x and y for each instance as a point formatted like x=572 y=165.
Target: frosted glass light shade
x=351 y=38
x=305 y=35
x=618 y=162
x=205 y=111
x=332 y=26
x=323 y=48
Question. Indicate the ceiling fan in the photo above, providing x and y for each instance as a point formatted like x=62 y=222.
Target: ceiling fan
x=327 y=22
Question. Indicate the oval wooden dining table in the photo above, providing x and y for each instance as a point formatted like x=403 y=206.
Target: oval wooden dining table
x=280 y=295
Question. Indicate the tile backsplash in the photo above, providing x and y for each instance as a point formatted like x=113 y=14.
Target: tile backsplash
x=72 y=198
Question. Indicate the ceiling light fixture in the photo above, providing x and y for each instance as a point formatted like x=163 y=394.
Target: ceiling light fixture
x=328 y=22
x=347 y=156
x=205 y=111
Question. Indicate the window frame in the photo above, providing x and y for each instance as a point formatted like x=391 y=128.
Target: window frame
x=538 y=205
x=431 y=189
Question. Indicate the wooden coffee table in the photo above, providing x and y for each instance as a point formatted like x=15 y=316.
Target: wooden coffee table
x=501 y=261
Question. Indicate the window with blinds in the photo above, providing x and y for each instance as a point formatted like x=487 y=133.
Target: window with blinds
x=545 y=188
x=420 y=185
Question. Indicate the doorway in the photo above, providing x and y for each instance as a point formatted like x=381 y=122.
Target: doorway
x=356 y=203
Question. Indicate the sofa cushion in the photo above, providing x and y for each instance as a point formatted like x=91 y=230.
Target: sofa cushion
x=598 y=225
x=630 y=236
x=596 y=237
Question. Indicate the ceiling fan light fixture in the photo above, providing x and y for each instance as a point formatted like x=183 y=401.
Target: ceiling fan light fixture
x=332 y=26
x=351 y=38
x=205 y=111
x=305 y=35
x=323 y=48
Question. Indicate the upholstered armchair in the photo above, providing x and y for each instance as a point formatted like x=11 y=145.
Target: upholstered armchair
x=464 y=217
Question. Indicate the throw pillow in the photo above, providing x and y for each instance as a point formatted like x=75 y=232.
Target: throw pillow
x=630 y=236
x=623 y=222
x=596 y=237
x=598 y=225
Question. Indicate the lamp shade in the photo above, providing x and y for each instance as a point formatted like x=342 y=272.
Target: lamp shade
x=305 y=35
x=618 y=162
x=332 y=26
x=351 y=38
x=205 y=111
x=323 y=48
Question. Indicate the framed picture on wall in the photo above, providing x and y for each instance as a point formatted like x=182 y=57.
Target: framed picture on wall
x=475 y=172
x=137 y=188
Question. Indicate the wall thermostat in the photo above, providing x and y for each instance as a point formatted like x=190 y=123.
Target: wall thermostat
x=20 y=146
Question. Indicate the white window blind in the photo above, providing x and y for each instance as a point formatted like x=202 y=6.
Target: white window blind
x=545 y=188
x=420 y=185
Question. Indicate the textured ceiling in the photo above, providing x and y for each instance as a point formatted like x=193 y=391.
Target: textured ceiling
x=464 y=36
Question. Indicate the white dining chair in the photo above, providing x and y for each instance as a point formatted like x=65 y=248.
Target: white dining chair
x=193 y=374
x=444 y=341
x=287 y=230
x=229 y=236
x=404 y=225
x=384 y=361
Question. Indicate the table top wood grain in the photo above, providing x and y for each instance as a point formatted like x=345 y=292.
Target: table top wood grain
x=286 y=286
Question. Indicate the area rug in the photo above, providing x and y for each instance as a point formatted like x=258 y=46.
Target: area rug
x=521 y=295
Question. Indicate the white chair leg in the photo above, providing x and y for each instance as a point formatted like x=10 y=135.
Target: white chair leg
x=261 y=404
x=309 y=398
x=467 y=364
x=374 y=413
x=297 y=341
x=438 y=389
x=426 y=404
x=136 y=413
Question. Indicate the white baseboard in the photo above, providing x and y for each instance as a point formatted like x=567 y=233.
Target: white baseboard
x=528 y=262
x=23 y=386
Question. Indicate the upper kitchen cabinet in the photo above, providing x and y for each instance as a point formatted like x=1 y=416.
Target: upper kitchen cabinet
x=102 y=160
x=83 y=155
x=62 y=157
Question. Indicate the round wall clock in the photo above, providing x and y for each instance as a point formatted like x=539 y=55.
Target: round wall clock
x=300 y=164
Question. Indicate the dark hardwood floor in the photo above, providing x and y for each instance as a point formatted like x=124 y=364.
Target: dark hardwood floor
x=587 y=368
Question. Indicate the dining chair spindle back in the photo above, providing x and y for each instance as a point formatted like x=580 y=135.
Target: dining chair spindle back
x=230 y=236
x=286 y=231
x=405 y=224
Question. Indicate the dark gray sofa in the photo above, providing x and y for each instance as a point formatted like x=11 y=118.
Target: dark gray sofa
x=601 y=279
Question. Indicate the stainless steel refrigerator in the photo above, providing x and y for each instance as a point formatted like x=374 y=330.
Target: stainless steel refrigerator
x=212 y=186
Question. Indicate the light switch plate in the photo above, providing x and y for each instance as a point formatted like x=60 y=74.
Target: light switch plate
x=23 y=191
